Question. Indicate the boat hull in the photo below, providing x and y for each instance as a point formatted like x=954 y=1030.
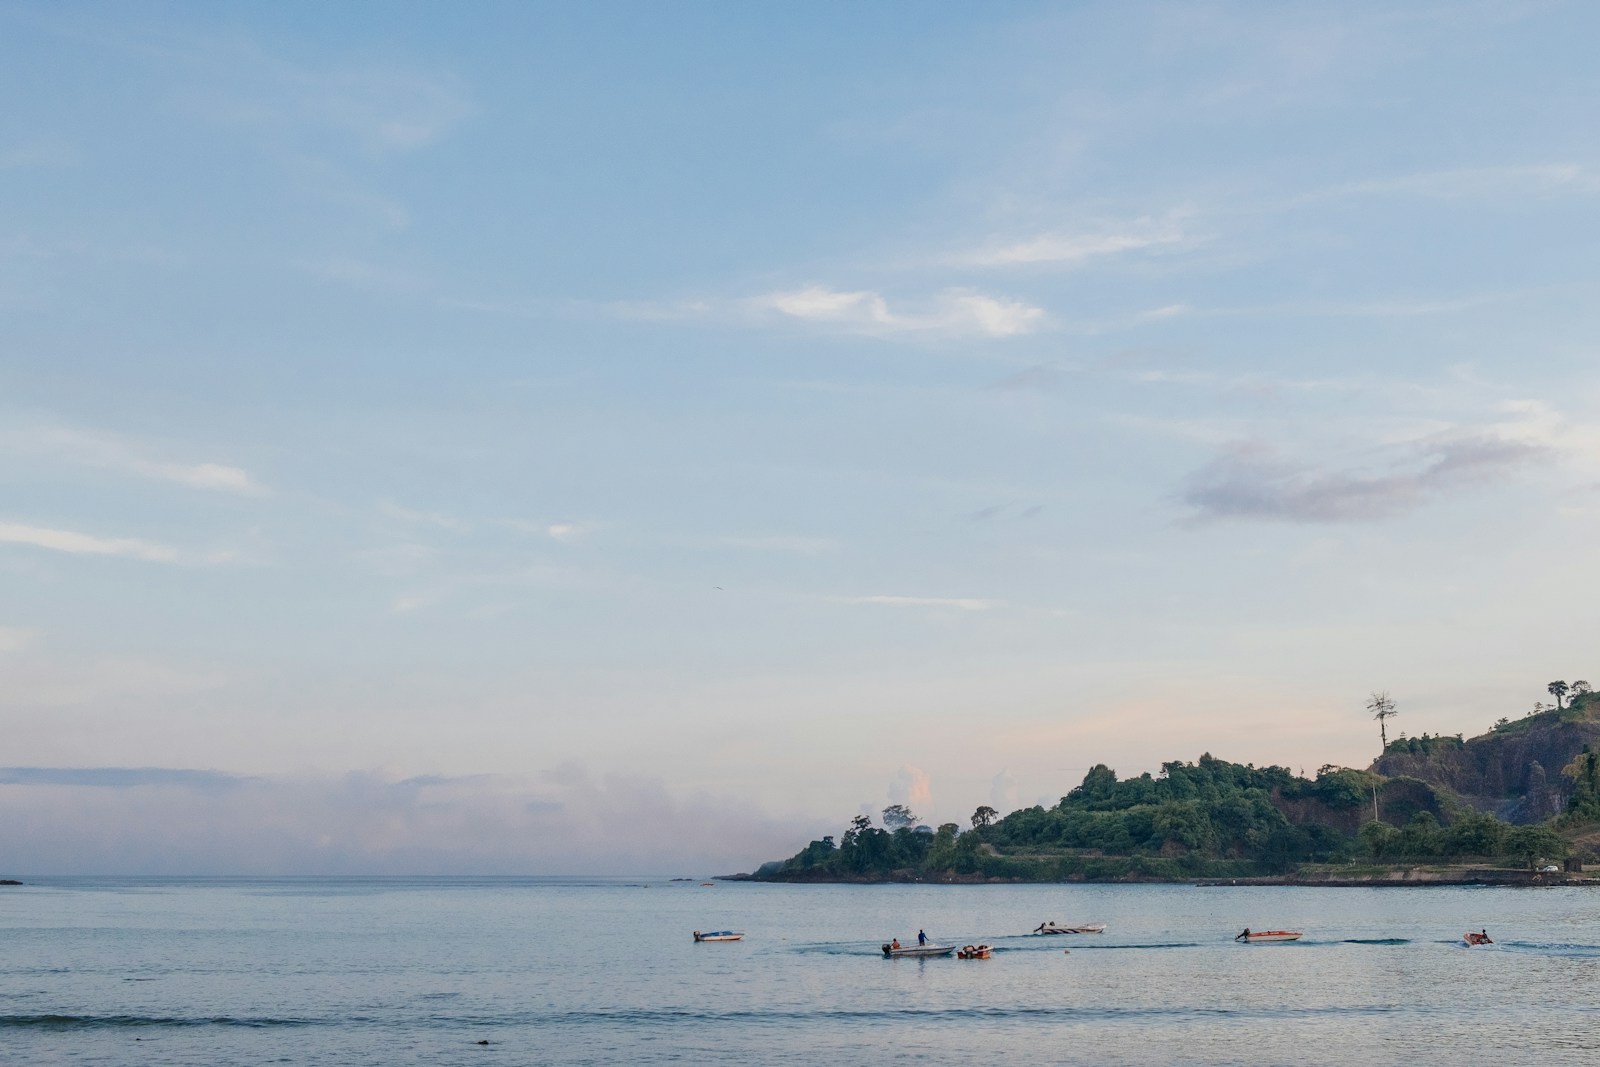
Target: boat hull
x=917 y=952
x=719 y=935
x=1270 y=936
x=1086 y=928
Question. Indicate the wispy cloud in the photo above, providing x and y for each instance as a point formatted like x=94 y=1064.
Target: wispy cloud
x=912 y=787
x=957 y=312
x=566 y=531
x=1250 y=480
x=86 y=544
x=1069 y=249
x=123 y=455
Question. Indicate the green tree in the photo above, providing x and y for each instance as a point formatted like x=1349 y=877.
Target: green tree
x=1379 y=839
x=1559 y=691
x=983 y=816
x=896 y=816
x=1530 y=844
x=1382 y=708
x=1420 y=837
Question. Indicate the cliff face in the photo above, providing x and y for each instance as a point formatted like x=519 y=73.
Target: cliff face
x=1398 y=799
x=1513 y=771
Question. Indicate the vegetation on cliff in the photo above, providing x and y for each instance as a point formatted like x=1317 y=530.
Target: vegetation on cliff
x=1428 y=799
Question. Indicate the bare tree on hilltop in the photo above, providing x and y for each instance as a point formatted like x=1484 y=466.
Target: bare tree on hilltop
x=1382 y=707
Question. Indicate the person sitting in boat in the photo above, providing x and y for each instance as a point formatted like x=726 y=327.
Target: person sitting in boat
x=895 y=943
x=922 y=938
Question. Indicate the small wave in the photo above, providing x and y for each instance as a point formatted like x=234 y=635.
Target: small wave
x=951 y=1016
x=114 y=1022
x=1088 y=946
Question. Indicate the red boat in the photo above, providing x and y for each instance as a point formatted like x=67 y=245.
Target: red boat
x=1477 y=939
x=1252 y=936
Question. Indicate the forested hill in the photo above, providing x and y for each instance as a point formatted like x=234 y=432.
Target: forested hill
x=1521 y=770
x=1209 y=818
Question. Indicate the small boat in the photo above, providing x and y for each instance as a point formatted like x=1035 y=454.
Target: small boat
x=718 y=935
x=974 y=952
x=1252 y=936
x=1477 y=939
x=916 y=951
x=1082 y=928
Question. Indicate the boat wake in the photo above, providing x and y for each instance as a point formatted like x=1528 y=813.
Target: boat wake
x=114 y=1022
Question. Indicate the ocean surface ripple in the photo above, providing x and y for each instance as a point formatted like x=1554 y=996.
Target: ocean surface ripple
x=426 y=971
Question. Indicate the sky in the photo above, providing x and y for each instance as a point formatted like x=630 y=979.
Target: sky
x=625 y=438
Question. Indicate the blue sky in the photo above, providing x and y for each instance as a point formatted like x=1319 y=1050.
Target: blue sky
x=431 y=436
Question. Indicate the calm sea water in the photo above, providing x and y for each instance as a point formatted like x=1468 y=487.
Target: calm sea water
x=417 y=971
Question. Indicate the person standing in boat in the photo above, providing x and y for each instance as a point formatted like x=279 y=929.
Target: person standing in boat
x=1244 y=936
x=922 y=938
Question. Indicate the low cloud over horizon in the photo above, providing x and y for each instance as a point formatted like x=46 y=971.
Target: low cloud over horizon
x=173 y=821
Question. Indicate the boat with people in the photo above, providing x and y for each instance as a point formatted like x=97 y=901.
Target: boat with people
x=1081 y=928
x=1480 y=938
x=974 y=952
x=894 y=950
x=1250 y=937
x=718 y=935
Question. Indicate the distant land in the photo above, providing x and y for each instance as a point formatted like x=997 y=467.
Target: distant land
x=1519 y=804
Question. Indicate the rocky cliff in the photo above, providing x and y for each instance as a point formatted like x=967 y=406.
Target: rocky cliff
x=1513 y=771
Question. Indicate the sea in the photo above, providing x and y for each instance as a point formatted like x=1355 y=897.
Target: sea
x=398 y=971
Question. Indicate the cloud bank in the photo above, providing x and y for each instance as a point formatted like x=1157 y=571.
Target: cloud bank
x=152 y=820
x=1250 y=480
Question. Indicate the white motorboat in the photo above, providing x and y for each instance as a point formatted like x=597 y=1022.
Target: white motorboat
x=1082 y=928
x=1253 y=936
x=718 y=935
x=892 y=952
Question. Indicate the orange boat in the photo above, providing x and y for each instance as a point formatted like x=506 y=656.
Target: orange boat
x=974 y=952
x=1477 y=939
x=1250 y=937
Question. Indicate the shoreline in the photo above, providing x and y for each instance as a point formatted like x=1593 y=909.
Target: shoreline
x=1388 y=878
